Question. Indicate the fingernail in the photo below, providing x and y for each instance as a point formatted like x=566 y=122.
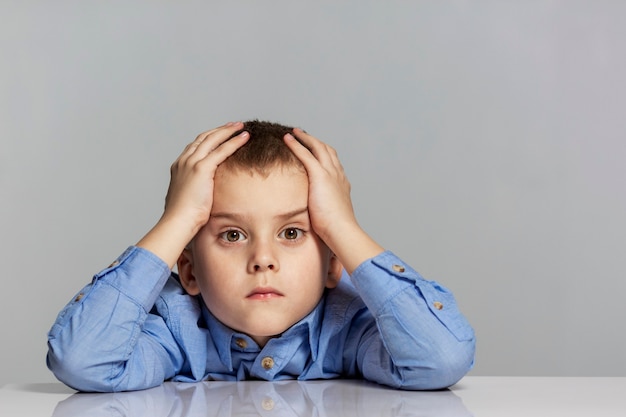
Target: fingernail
x=229 y=124
x=289 y=136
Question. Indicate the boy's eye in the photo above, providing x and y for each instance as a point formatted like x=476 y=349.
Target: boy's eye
x=291 y=233
x=232 y=236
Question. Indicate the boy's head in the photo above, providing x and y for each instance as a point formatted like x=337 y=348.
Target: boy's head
x=264 y=152
x=258 y=264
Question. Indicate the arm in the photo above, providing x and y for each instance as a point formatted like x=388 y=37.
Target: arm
x=422 y=340
x=106 y=339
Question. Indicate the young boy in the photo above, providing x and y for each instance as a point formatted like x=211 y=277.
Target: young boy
x=259 y=221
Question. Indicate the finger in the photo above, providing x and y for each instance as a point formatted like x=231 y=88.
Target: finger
x=204 y=135
x=319 y=149
x=301 y=152
x=212 y=141
x=226 y=149
x=335 y=160
x=309 y=141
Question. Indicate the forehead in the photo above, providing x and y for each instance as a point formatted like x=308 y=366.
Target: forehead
x=244 y=191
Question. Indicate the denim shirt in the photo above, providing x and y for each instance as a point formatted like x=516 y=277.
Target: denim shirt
x=134 y=327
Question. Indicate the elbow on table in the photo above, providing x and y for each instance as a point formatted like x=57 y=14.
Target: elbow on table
x=75 y=372
x=443 y=370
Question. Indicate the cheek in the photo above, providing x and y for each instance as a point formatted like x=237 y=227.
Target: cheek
x=209 y=270
x=322 y=254
x=314 y=260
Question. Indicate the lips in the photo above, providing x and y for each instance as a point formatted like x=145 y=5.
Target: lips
x=264 y=293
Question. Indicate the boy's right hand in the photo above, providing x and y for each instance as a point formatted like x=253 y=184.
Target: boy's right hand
x=190 y=194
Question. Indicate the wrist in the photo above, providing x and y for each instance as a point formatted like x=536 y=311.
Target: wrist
x=168 y=238
x=185 y=225
x=351 y=245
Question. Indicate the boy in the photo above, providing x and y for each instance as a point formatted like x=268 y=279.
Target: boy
x=259 y=221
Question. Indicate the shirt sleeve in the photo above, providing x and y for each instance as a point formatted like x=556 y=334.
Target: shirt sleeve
x=106 y=339
x=423 y=341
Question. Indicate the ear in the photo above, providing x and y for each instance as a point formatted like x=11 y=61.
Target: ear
x=185 y=272
x=335 y=270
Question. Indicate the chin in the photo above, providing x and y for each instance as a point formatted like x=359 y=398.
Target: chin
x=267 y=330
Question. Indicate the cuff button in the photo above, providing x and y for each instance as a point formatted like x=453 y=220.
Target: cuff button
x=267 y=363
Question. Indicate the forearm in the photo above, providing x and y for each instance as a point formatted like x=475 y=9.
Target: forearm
x=168 y=238
x=98 y=342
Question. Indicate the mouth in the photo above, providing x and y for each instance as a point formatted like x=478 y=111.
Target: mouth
x=264 y=293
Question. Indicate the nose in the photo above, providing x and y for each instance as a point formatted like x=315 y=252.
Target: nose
x=263 y=257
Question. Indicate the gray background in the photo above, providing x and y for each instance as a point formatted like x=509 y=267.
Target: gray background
x=484 y=141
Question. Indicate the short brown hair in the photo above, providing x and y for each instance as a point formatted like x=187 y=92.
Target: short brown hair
x=264 y=150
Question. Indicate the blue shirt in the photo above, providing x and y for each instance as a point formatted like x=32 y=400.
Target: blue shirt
x=134 y=327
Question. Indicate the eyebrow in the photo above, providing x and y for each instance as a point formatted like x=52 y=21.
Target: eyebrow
x=281 y=216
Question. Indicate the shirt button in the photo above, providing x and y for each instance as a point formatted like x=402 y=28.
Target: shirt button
x=241 y=343
x=267 y=363
x=437 y=305
x=398 y=268
x=79 y=297
x=114 y=263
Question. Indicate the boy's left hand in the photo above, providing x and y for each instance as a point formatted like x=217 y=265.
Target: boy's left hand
x=330 y=206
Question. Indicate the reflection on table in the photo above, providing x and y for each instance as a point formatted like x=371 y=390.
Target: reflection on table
x=260 y=398
x=483 y=396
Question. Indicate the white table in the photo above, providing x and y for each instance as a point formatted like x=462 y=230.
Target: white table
x=473 y=396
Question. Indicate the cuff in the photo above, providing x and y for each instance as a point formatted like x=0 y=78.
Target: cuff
x=138 y=274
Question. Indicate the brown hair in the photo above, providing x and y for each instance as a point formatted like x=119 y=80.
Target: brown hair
x=264 y=150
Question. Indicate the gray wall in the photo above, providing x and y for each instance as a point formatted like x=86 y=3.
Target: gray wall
x=484 y=140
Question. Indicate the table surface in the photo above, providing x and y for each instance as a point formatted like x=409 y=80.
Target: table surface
x=472 y=396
